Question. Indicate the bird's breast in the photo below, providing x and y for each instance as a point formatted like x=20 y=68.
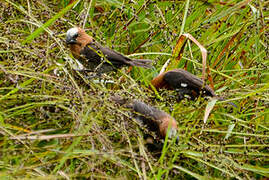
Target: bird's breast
x=75 y=49
x=159 y=82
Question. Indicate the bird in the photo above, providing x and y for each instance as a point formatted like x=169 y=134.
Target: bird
x=94 y=57
x=185 y=83
x=154 y=119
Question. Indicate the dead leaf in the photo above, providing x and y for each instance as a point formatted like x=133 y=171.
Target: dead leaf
x=209 y=108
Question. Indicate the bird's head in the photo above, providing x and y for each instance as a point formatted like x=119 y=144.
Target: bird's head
x=77 y=35
x=167 y=121
x=71 y=35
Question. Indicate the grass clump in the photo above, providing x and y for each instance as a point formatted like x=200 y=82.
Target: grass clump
x=55 y=123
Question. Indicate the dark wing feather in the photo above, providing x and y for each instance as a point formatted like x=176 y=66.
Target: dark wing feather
x=148 y=111
x=92 y=57
x=114 y=57
x=176 y=77
x=92 y=51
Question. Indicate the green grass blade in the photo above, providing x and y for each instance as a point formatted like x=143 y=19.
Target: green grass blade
x=38 y=31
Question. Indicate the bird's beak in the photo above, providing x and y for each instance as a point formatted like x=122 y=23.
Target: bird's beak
x=70 y=40
x=177 y=140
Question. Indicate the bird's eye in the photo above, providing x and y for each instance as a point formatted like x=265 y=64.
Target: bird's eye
x=76 y=35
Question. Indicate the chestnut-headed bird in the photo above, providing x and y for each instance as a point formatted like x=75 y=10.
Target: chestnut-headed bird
x=155 y=119
x=185 y=83
x=95 y=57
x=152 y=116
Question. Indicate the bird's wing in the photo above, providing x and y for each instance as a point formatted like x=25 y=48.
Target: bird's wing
x=148 y=111
x=114 y=57
x=179 y=78
x=183 y=79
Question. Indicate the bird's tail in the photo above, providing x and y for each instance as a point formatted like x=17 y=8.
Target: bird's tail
x=119 y=100
x=145 y=63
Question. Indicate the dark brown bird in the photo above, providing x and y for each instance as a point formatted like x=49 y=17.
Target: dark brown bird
x=94 y=57
x=185 y=83
x=155 y=119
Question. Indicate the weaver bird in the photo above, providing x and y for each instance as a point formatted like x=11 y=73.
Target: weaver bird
x=95 y=57
x=155 y=119
x=185 y=83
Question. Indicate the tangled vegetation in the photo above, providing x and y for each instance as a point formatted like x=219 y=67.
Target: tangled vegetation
x=56 y=123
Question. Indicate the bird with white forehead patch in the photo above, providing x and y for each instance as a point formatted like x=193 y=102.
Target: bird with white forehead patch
x=70 y=34
x=185 y=83
x=94 y=57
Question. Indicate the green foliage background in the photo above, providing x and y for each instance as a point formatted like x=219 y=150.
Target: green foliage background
x=55 y=123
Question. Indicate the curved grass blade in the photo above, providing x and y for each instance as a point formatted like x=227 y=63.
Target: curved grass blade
x=209 y=107
x=48 y=23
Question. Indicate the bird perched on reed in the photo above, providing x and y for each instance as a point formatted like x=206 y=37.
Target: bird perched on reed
x=95 y=57
x=185 y=83
x=155 y=119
